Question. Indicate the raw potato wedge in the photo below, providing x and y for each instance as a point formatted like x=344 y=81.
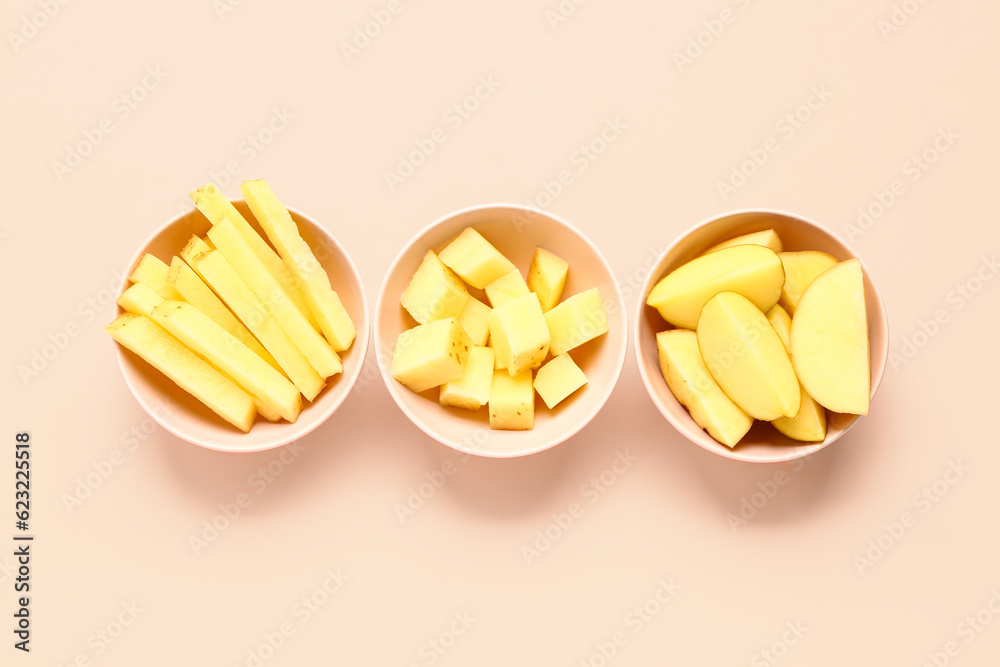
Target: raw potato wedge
x=475 y=259
x=189 y=371
x=751 y=270
x=253 y=272
x=213 y=343
x=801 y=268
x=747 y=358
x=194 y=290
x=309 y=274
x=152 y=272
x=223 y=279
x=216 y=207
x=767 y=238
x=810 y=424
x=694 y=387
x=829 y=340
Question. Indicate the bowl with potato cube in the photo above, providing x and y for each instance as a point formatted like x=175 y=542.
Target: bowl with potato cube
x=241 y=325
x=761 y=336
x=500 y=331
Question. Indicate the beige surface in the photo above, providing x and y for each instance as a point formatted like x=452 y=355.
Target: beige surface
x=641 y=505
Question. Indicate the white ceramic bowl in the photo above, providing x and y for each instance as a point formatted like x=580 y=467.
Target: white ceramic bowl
x=186 y=417
x=763 y=444
x=515 y=231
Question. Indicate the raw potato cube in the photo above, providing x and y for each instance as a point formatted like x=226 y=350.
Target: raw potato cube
x=472 y=390
x=519 y=334
x=475 y=259
x=506 y=288
x=694 y=387
x=194 y=290
x=547 y=277
x=475 y=319
x=767 y=238
x=751 y=270
x=139 y=299
x=576 y=320
x=558 y=379
x=217 y=207
x=248 y=266
x=801 y=268
x=223 y=279
x=810 y=424
x=434 y=292
x=152 y=272
x=512 y=401
x=830 y=340
x=217 y=346
x=311 y=277
x=746 y=357
x=430 y=355
x=191 y=373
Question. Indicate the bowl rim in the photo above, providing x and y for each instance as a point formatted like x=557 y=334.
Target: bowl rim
x=384 y=356
x=360 y=345
x=808 y=449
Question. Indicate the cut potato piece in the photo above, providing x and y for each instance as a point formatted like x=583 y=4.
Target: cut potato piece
x=751 y=270
x=557 y=379
x=782 y=323
x=198 y=294
x=578 y=319
x=547 y=277
x=830 y=340
x=434 y=292
x=223 y=279
x=139 y=299
x=801 y=268
x=746 y=357
x=152 y=272
x=475 y=319
x=253 y=272
x=512 y=401
x=312 y=279
x=472 y=390
x=767 y=238
x=217 y=346
x=189 y=371
x=519 y=334
x=506 y=288
x=429 y=355
x=215 y=206
x=694 y=387
x=194 y=247
x=810 y=424
x=475 y=259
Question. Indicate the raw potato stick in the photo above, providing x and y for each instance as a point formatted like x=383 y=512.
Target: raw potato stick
x=216 y=207
x=224 y=280
x=312 y=279
x=237 y=252
x=191 y=373
x=194 y=290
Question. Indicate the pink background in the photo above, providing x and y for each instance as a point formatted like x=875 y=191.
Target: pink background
x=677 y=131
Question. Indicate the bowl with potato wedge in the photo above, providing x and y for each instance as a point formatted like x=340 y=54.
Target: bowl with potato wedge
x=761 y=336
x=241 y=325
x=500 y=331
